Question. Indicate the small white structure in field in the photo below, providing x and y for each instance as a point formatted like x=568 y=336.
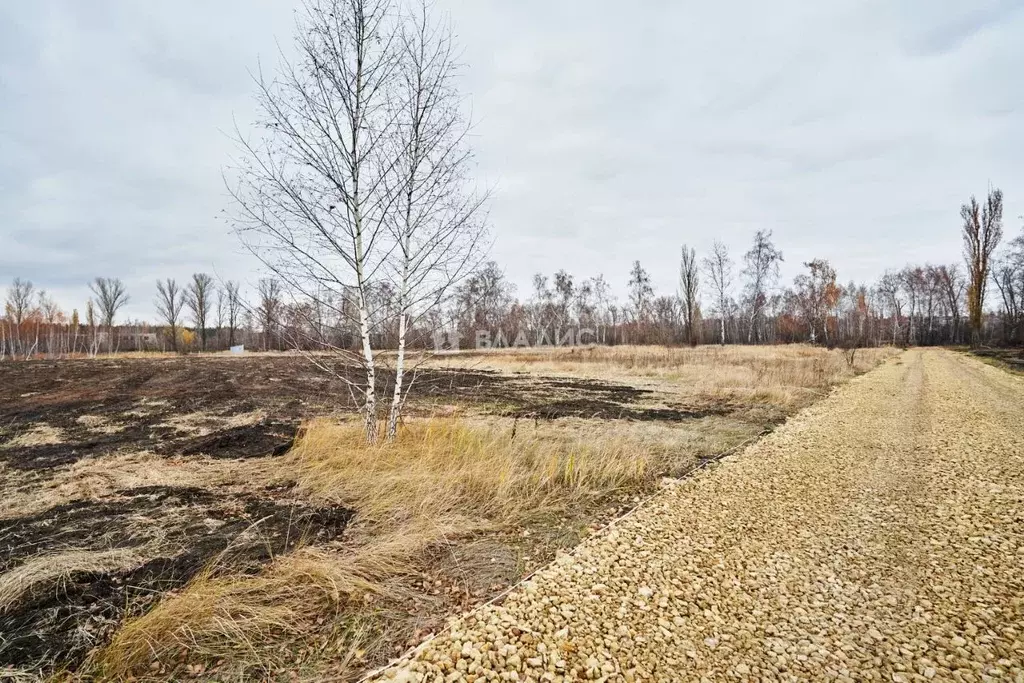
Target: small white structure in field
x=238 y=349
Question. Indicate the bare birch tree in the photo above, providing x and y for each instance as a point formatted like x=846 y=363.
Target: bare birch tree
x=198 y=298
x=983 y=228
x=312 y=196
x=718 y=266
x=761 y=270
x=355 y=197
x=436 y=224
x=52 y=316
x=73 y=332
x=689 y=293
x=111 y=297
x=92 y=340
x=603 y=303
x=170 y=299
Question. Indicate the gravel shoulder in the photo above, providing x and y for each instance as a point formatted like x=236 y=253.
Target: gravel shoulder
x=879 y=535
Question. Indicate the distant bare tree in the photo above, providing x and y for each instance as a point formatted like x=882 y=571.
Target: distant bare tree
x=220 y=311
x=565 y=292
x=983 y=228
x=18 y=307
x=952 y=287
x=90 y=322
x=583 y=307
x=641 y=293
x=718 y=266
x=111 y=297
x=890 y=289
x=604 y=302
x=484 y=300
x=689 y=293
x=269 y=309
x=817 y=293
x=543 y=303
x=933 y=301
x=198 y=297
x=665 y=314
x=169 y=301
x=234 y=309
x=761 y=270
x=52 y=315
x=1008 y=275
x=19 y=300
x=913 y=282
x=73 y=332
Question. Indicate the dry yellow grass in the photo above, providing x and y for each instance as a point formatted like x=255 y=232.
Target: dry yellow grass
x=99 y=424
x=782 y=376
x=142 y=407
x=214 y=617
x=201 y=424
x=50 y=570
x=314 y=600
x=489 y=470
x=94 y=478
x=40 y=435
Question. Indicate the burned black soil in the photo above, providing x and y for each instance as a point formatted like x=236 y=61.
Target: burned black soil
x=265 y=438
x=138 y=399
x=609 y=410
x=175 y=533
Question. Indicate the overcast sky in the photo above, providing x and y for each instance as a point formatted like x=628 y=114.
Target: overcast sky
x=610 y=131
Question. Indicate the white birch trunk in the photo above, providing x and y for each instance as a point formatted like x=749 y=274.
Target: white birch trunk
x=721 y=313
x=396 y=399
x=370 y=390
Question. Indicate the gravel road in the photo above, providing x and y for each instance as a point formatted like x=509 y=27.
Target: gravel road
x=877 y=536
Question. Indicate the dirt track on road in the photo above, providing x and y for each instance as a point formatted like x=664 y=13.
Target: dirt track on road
x=879 y=535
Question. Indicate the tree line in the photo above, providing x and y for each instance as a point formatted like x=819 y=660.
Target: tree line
x=199 y=315
x=724 y=299
x=720 y=299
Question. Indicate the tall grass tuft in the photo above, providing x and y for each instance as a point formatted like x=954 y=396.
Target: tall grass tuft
x=450 y=469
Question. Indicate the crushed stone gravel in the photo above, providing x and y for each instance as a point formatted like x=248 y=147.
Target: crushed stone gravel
x=877 y=536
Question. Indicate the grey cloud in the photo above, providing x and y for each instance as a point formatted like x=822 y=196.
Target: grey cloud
x=851 y=128
x=962 y=23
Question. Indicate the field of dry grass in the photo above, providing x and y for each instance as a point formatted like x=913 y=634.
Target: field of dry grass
x=783 y=376
x=509 y=458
